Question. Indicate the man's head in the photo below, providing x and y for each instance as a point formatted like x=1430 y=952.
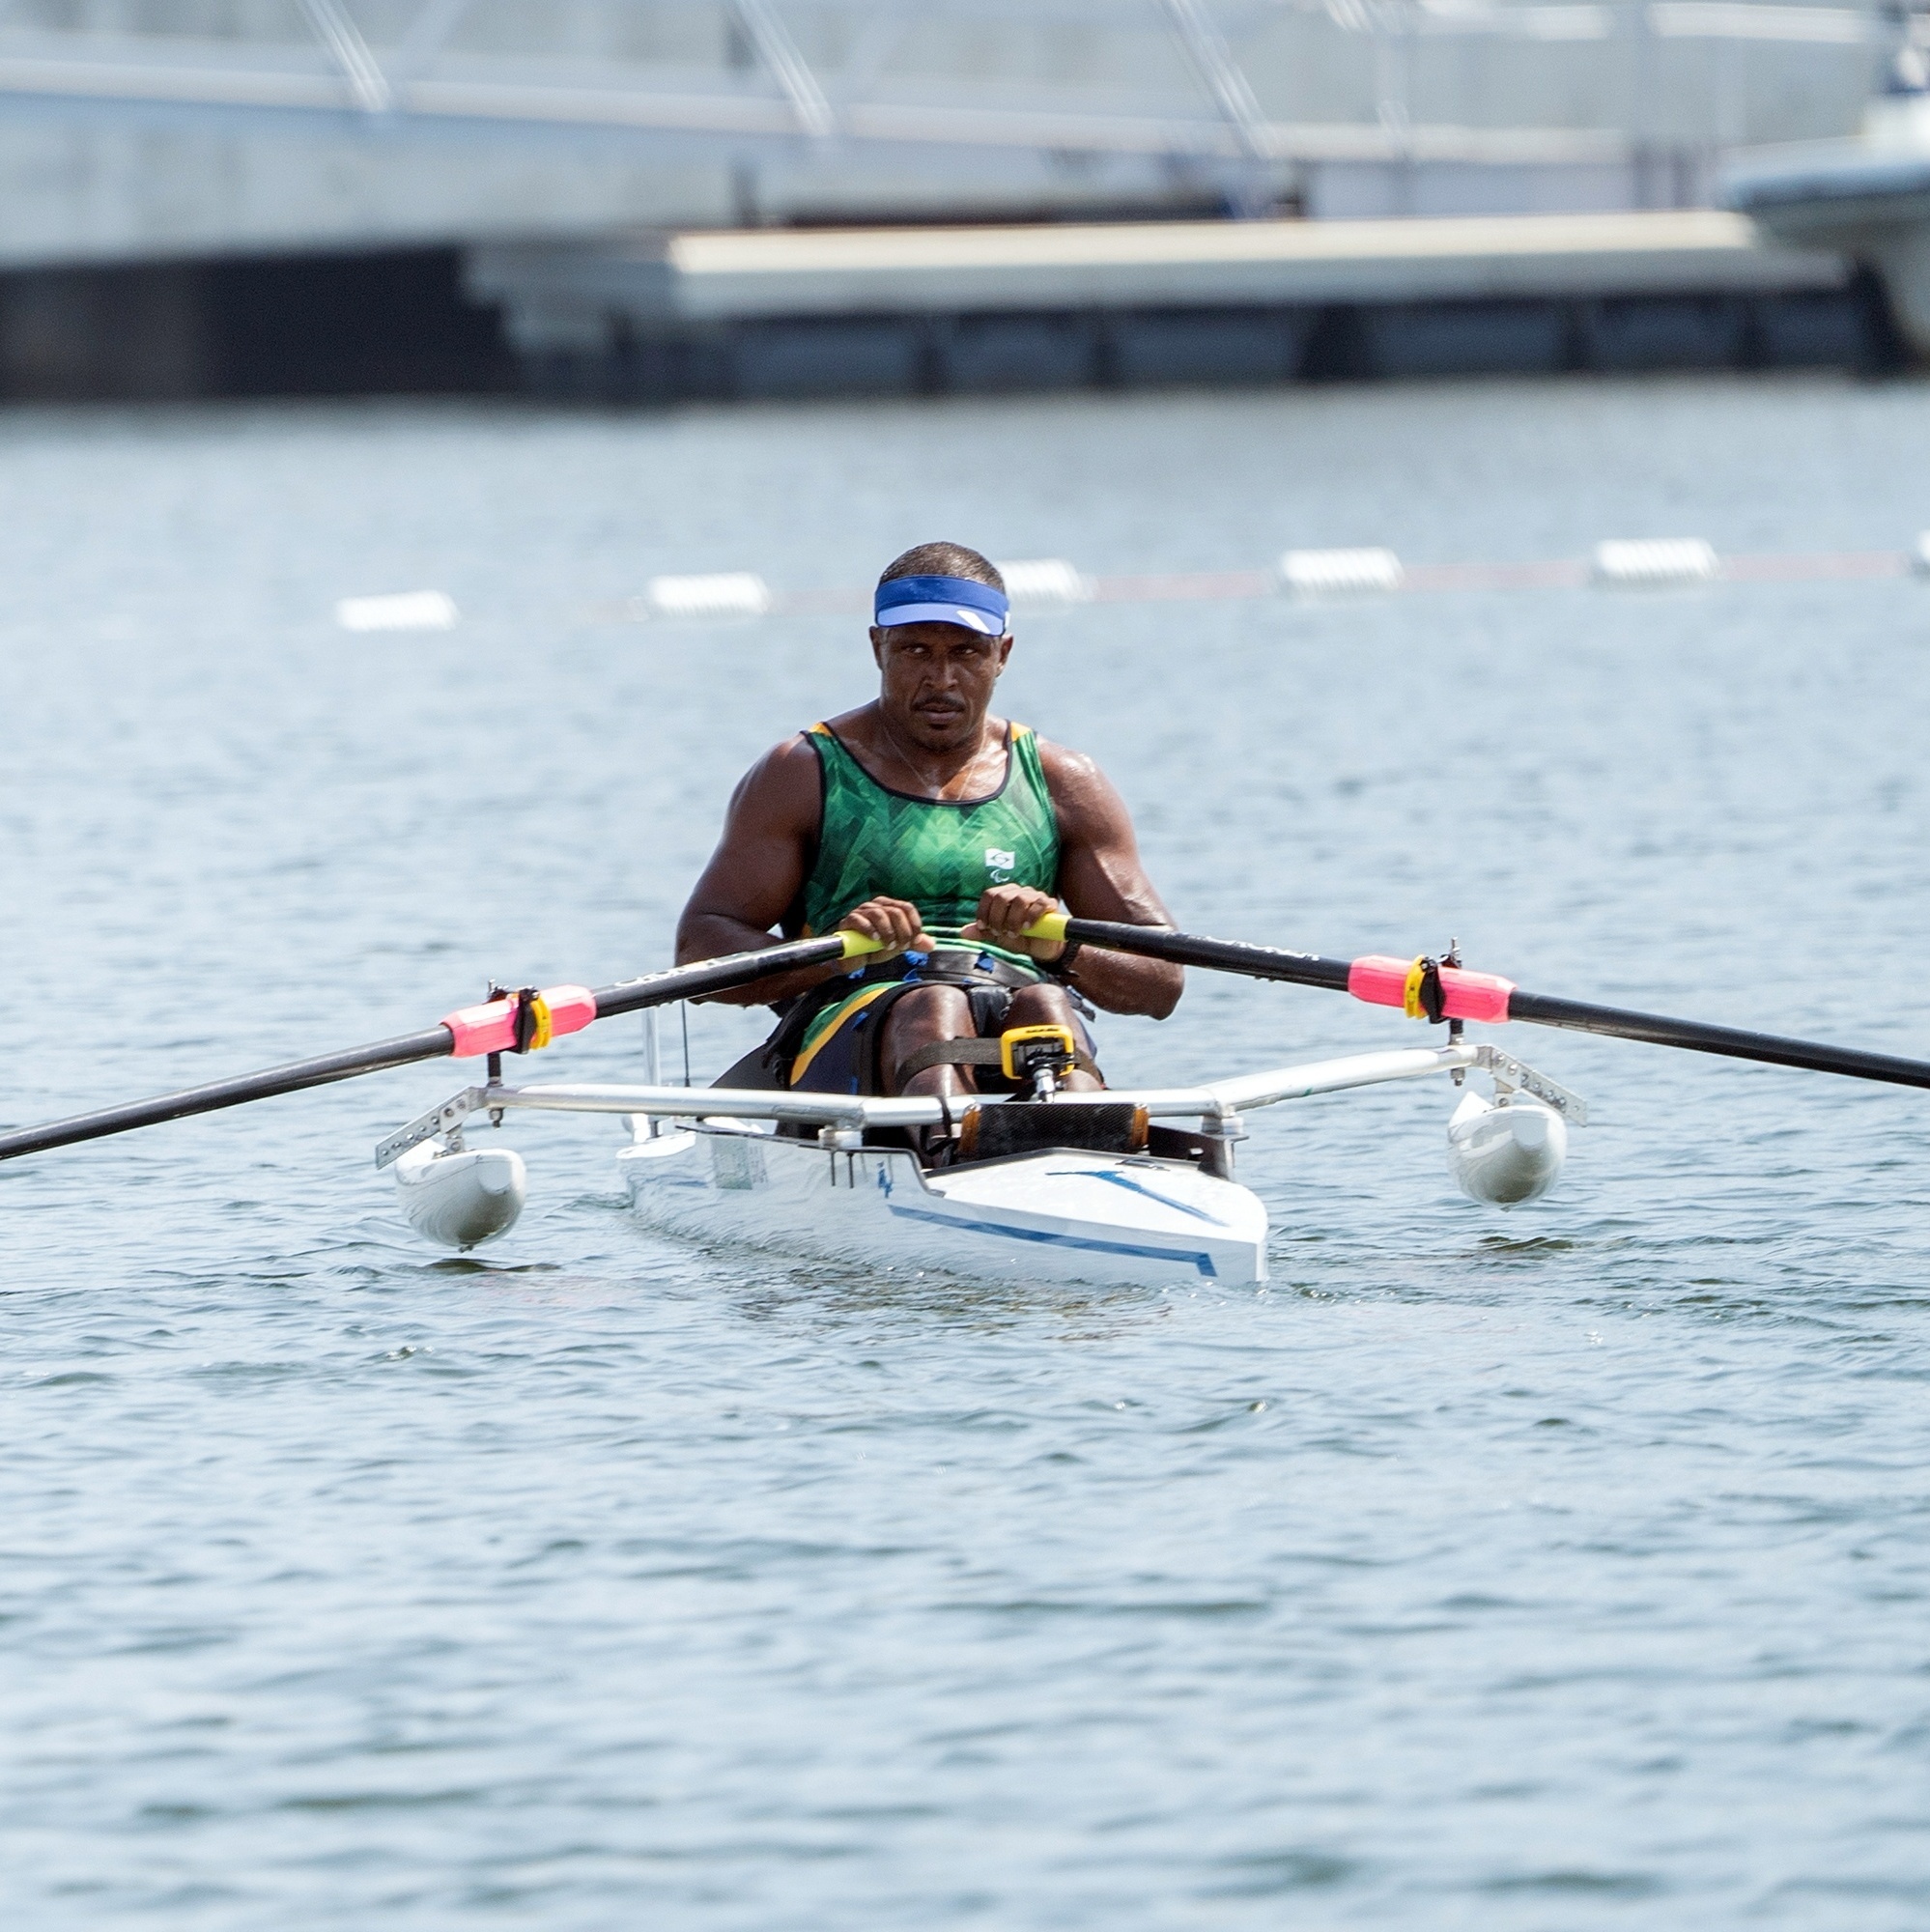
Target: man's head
x=941 y=642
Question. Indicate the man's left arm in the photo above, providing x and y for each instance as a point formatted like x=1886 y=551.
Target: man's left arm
x=1101 y=876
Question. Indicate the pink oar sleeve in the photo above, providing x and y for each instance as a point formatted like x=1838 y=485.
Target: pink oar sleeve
x=1465 y=996
x=492 y=1028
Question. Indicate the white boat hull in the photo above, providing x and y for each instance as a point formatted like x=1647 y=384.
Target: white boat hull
x=1054 y=1216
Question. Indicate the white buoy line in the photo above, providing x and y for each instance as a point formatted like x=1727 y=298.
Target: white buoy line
x=1313 y=576
x=1626 y=563
x=1032 y=584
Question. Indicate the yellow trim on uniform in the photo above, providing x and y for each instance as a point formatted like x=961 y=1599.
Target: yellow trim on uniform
x=855 y=1004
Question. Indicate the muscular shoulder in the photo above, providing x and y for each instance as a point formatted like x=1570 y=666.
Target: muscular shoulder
x=783 y=788
x=1082 y=795
x=1064 y=766
x=1100 y=873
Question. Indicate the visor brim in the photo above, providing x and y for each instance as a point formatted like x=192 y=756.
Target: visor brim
x=984 y=622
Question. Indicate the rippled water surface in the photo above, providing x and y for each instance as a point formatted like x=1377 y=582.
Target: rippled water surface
x=1551 y=1570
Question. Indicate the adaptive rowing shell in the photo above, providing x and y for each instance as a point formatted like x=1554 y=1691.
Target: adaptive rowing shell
x=849 y=1195
x=1501 y=1152
x=1065 y=1215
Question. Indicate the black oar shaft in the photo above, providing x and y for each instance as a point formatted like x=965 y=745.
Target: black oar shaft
x=680 y=983
x=1223 y=956
x=1733 y=1043
x=1307 y=969
x=717 y=976
x=429 y=1044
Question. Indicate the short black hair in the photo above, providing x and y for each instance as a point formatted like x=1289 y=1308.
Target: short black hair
x=944 y=559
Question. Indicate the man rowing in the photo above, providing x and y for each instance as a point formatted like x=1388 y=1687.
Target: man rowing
x=924 y=822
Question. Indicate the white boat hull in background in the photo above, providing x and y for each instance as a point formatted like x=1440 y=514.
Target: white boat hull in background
x=463 y=1199
x=1055 y=1217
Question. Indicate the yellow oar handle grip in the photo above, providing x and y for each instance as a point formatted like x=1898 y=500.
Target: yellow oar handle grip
x=1052 y=927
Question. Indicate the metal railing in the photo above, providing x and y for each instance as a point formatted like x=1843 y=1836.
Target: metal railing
x=850 y=71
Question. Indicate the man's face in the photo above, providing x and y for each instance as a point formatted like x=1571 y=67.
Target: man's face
x=938 y=680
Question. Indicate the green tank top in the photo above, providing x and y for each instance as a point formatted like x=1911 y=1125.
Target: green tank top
x=875 y=843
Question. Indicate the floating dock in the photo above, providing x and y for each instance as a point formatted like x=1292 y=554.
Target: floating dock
x=1056 y=305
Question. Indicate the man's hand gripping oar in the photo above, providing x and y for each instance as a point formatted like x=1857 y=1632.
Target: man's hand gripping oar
x=520 y=1022
x=1427 y=989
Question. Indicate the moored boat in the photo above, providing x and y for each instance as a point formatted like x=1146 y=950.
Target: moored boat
x=1866 y=197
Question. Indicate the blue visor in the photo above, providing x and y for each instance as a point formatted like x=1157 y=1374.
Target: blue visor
x=942 y=600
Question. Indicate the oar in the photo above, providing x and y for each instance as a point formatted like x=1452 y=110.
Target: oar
x=1428 y=990
x=519 y=1022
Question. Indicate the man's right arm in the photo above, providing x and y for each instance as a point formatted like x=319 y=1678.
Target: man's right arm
x=770 y=839
x=757 y=869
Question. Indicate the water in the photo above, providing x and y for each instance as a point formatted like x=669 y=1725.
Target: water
x=1554 y=1570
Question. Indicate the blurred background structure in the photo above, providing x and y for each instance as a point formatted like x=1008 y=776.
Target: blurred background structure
x=261 y=196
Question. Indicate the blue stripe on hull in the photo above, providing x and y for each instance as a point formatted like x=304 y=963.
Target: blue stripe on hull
x=1202 y=1262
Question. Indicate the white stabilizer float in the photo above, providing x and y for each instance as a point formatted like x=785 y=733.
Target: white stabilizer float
x=747 y=1170
x=1505 y=1152
x=1509 y=1149
x=462 y=1197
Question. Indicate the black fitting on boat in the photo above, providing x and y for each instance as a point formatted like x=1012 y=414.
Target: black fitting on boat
x=1425 y=999
x=533 y=1021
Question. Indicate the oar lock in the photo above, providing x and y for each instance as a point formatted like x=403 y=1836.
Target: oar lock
x=531 y=1024
x=1423 y=996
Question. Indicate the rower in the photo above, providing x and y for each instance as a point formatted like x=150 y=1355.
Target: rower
x=927 y=823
